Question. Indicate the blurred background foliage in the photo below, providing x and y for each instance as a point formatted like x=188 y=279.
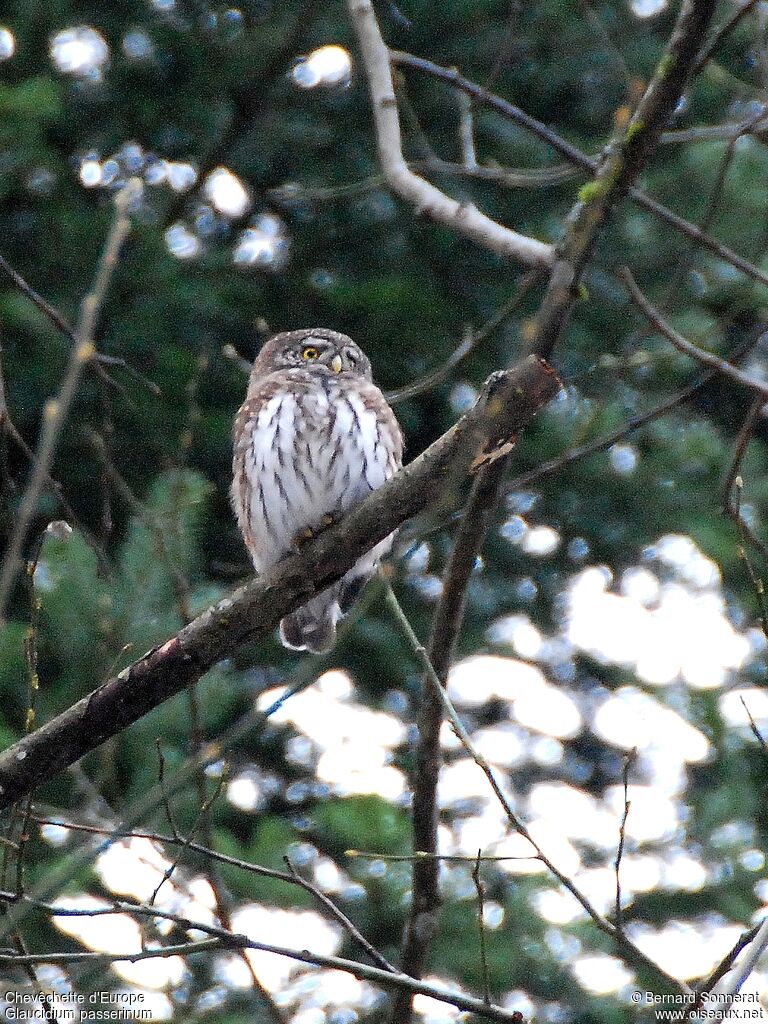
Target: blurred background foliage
x=263 y=209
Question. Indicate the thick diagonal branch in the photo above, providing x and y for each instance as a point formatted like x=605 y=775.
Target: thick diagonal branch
x=510 y=399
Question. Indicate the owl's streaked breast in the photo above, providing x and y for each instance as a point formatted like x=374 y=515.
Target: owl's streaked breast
x=306 y=452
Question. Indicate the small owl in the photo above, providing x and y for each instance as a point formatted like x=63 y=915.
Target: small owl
x=312 y=439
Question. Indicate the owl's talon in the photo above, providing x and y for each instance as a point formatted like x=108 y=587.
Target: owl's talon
x=307 y=534
x=303 y=537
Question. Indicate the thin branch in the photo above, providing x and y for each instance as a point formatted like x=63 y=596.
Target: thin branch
x=413 y=128
x=448 y=858
x=753 y=728
x=507 y=177
x=722 y=33
x=683 y=344
x=686 y=260
x=727 y=993
x=602 y=444
x=467 y=131
x=9 y=428
x=437 y=376
x=578 y=158
x=341 y=917
x=70 y=866
x=427 y=200
x=53 y=314
x=290 y=877
x=185 y=841
x=720 y=970
x=221 y=939
x=628 y=760
x=480 y=890
x=631 y=953
x=56 y=410
x=100 y=359
x=446 y=626
x=620 y=165
x=489 y=99
x=511 y=398
x=731 y=496
x=154 y=523
x=618 y=58
x=709 y=133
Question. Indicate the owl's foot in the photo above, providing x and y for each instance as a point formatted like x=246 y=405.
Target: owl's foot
x=303 y=537
x=308 y=534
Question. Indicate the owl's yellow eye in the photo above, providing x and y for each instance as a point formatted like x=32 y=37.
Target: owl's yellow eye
x=310 y=352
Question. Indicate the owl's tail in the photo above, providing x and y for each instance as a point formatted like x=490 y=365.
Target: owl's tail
x=313 y=627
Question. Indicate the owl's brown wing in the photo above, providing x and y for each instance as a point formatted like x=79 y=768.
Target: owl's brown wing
x=390 y=436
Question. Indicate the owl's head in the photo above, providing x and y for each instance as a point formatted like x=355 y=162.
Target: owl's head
x=313 y=348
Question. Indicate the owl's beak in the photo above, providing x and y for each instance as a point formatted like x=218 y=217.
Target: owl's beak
x=336 y=363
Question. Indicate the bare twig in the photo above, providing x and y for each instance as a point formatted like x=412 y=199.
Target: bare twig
x=154 y=524
x=471 y=341
x=615 y=173
x=53 y=314
x=708 y=133
x=684 y=345
x=8 y=429
x=448 y=858
x=628 y=760
x=56 y=410
x=618 y=58
x=291 y=877
x=99 y=359
x=480 y=890
x=753 y=728
x=505 y=177
x=716 y=198
x=427 y=200
x=16 y=849
x=56 y=878
x=722 y=33
x=467 y=132
x=720 y=970
x=729 y=990
x=601 y=444
x=340 y=916
x=732 y=493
